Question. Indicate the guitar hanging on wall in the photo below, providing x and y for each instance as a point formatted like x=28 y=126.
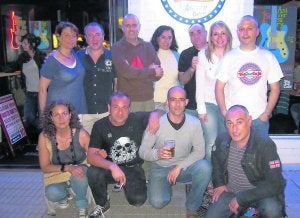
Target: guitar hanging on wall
x=273 y=39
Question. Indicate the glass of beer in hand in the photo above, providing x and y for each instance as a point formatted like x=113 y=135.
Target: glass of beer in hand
x=169 y=144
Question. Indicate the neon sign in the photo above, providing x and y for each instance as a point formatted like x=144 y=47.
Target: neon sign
x=13 y=30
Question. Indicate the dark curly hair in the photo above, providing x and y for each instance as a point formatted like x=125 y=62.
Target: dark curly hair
x=157 y=33
x=47 y=124
x=34 y=41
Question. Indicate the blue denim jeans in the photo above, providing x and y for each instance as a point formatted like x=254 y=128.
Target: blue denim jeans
x=268 y=207
x=261 y=126
x=212 y=127
x=60 y=191
x=160 y=190
x=31 y=109
x=192 y=112
x=295 y=112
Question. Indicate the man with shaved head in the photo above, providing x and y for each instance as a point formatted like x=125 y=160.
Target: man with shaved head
x=247 y=170
x=137 y=65
x=186 y=164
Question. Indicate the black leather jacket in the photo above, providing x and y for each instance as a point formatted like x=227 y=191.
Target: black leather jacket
x=256 y=163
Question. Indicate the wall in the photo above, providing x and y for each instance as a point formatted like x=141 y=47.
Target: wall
x=288 y=148
x=152 y=14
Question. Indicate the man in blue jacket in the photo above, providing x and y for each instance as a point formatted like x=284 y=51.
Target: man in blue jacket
x=247 y=170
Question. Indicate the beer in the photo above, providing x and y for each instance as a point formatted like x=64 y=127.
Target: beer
x=169 y=144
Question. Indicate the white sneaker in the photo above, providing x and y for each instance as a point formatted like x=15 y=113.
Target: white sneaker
x=62 y=204
x=82 y=213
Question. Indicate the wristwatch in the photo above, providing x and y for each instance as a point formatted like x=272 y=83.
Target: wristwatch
x=62 y=168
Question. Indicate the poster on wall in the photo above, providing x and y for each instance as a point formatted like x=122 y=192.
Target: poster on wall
x=11 y=121
x=278 y=35
x=42 y=29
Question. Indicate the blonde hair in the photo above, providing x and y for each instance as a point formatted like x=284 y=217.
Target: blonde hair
x=210 y=47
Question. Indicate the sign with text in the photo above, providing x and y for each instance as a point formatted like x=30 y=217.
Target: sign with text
x=11 y=121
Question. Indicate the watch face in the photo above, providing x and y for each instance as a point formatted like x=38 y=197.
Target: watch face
x=190 y=12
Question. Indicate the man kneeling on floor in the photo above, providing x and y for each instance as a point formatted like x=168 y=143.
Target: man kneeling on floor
x=120 y=135
x=185 y=164
x=246 y=170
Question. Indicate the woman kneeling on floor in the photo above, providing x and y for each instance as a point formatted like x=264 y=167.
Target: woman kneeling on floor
x=62 y=154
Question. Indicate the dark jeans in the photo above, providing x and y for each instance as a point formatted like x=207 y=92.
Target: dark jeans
x=31 y=109
x=135 y=189
x=268 y=207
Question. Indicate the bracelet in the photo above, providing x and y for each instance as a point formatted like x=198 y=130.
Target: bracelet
x=62 y=168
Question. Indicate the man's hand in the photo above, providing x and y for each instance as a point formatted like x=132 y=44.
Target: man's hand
x=173 y=174
x=234 y=206
x=153 y=123
x=264 y=117
x=159 y=72
x=102 y=153
x=203 y=117
x=218 y=191
x=164 y=153
x=194 y=62
x=118 y=174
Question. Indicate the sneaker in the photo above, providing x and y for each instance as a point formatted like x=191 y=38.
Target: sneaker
x=191 y=214
x=99 y=210
x=62 y=204
x=117 y=187
x=82 y=213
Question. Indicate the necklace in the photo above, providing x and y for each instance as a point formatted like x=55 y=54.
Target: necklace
x=68 y=57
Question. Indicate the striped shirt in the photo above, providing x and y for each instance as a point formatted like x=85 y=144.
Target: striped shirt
x=237 y=180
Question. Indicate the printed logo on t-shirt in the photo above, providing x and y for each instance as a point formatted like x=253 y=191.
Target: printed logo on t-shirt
x=123 y=150
x=108 y=65
x=249 y=74
x=137 y=62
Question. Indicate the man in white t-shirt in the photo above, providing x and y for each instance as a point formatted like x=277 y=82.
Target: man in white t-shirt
x=246 y=71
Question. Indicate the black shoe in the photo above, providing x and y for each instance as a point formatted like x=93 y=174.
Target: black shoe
x=100 y=210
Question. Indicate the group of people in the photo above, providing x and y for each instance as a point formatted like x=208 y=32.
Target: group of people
x=132 y=99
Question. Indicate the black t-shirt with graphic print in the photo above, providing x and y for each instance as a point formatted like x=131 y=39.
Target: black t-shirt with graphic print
x=120 y=142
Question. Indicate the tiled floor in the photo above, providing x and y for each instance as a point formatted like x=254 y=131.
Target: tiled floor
x=21 y=196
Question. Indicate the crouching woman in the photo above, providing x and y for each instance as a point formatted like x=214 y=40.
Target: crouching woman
x=63 y=144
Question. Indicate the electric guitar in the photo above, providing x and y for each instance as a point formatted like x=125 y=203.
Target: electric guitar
x=274 y=40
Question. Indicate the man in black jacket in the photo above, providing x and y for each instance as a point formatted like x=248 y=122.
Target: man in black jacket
x=247 y=170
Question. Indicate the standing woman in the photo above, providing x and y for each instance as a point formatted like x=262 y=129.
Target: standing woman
x=63 y=144
x=219 y=42
x=165 y=44
x=62 y=74
x=30 y=62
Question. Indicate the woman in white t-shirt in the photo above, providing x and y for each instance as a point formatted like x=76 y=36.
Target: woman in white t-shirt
x=219 y=42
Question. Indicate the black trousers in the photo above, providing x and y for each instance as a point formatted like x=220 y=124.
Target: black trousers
x=135 y=189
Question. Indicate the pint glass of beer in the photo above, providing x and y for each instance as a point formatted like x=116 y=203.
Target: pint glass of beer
x=170 y=145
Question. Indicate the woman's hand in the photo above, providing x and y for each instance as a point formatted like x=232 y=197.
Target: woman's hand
x=75 y=170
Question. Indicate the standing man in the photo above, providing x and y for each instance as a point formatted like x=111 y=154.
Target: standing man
x=187 y=65
x=186 y=164
x=120 y=135
x=99 y=81
x=137 y=65
x=246 y=71
x=247 y=170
